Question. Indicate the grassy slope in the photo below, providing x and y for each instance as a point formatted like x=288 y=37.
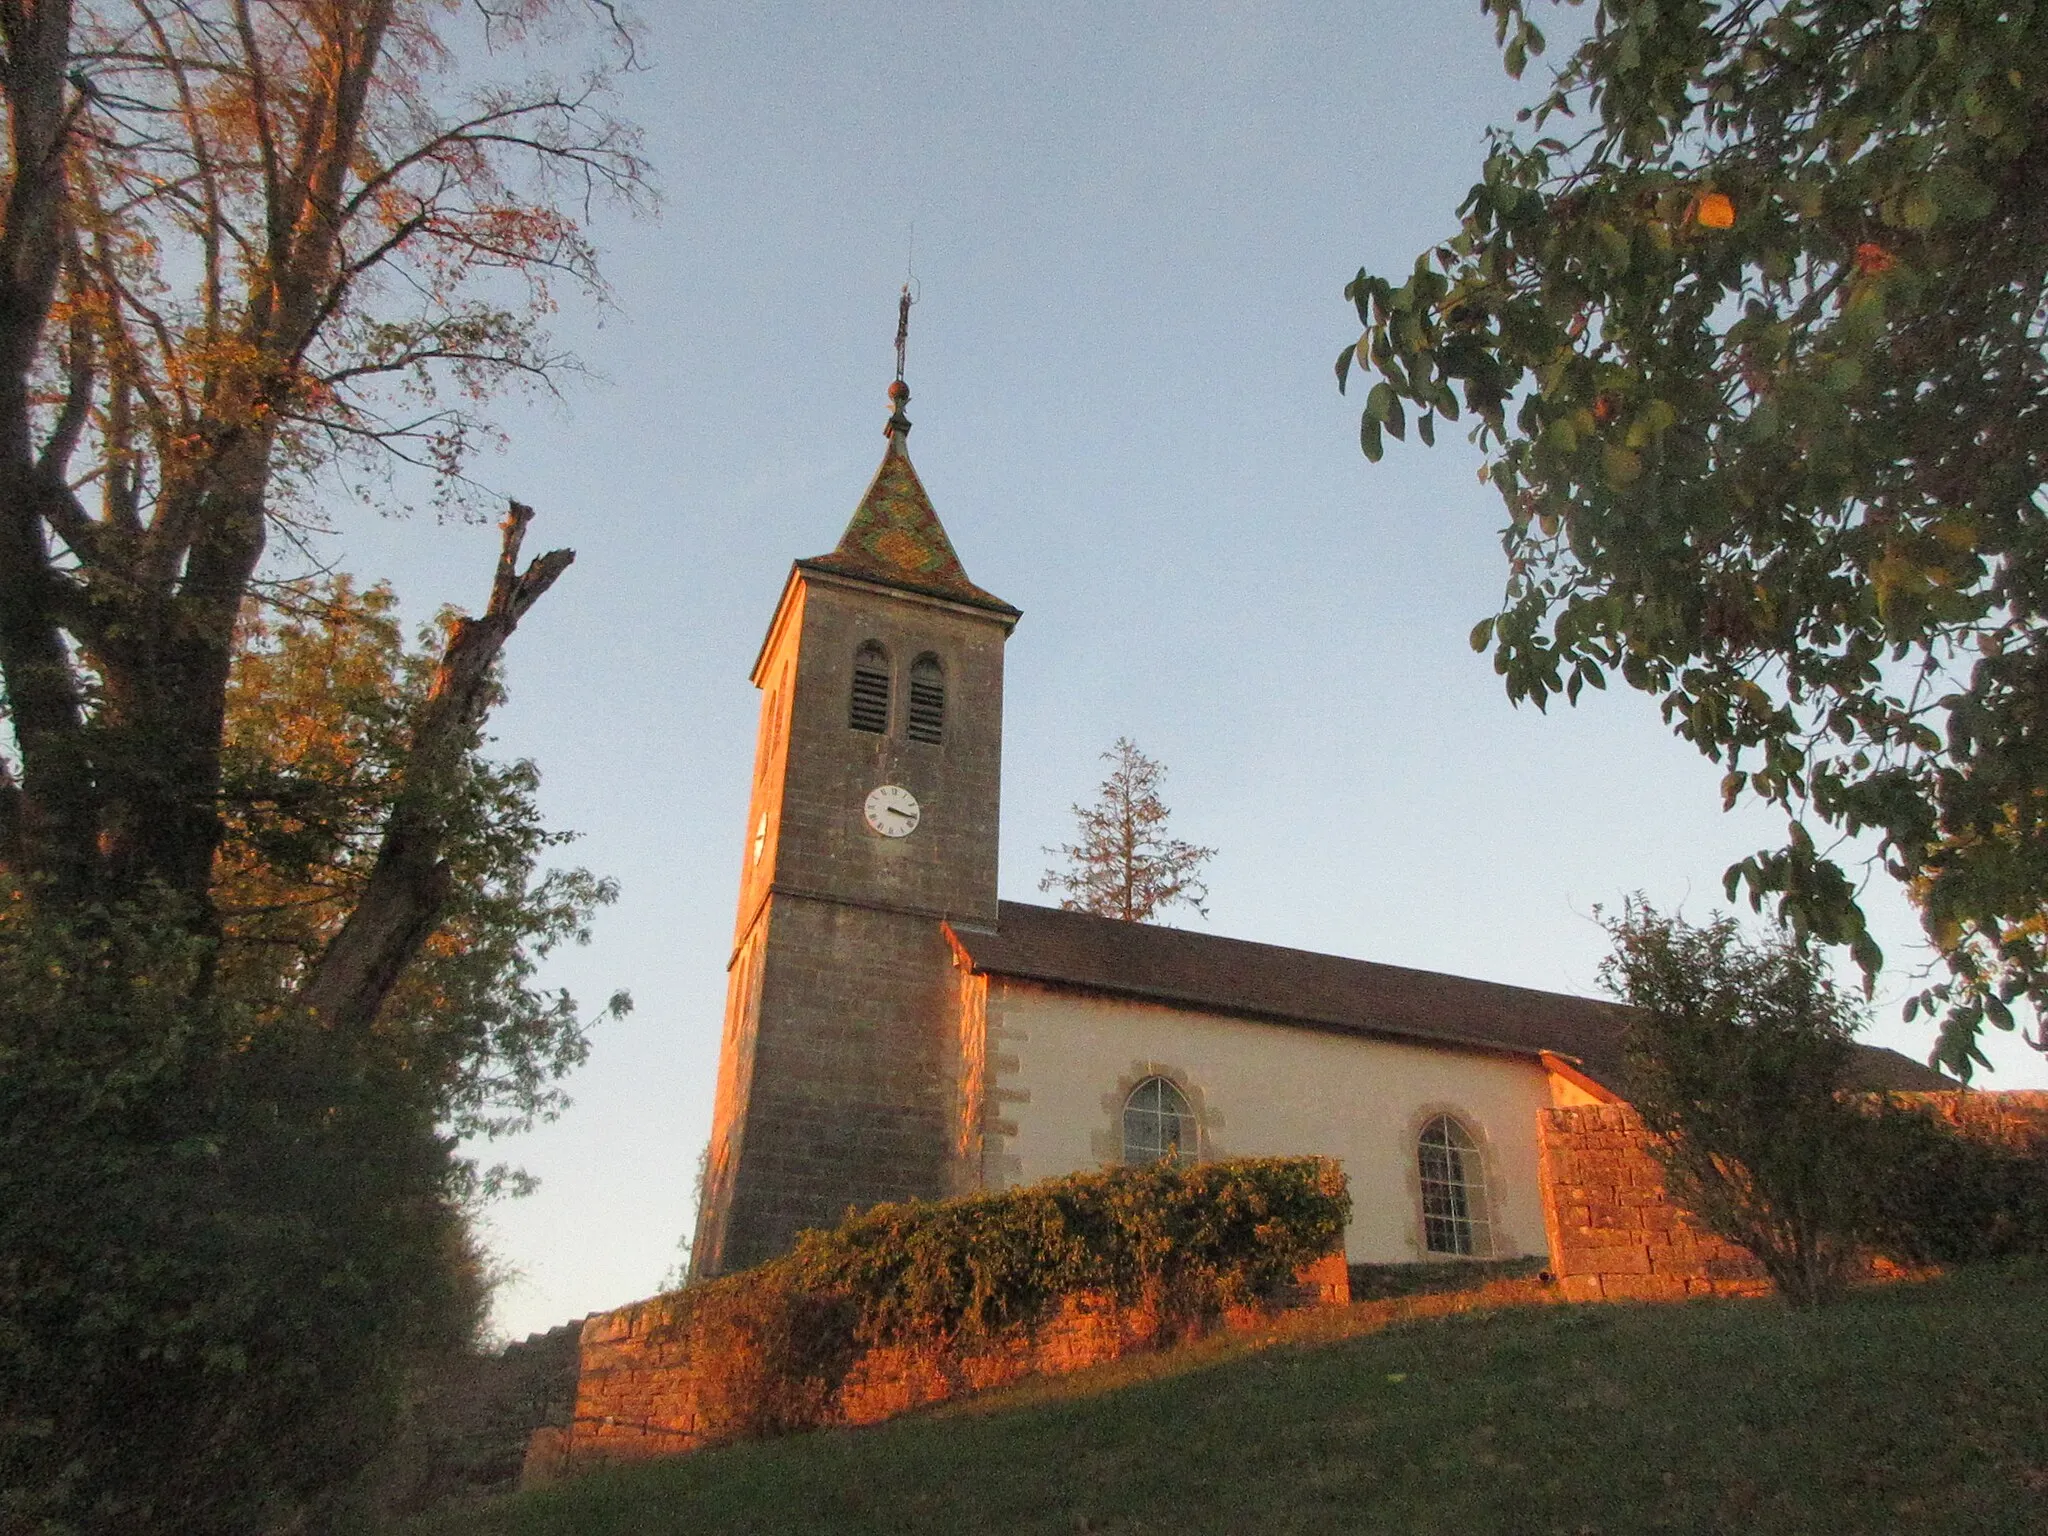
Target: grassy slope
x=1913 y=1408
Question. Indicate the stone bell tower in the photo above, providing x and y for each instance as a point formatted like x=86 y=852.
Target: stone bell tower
x=873 y=820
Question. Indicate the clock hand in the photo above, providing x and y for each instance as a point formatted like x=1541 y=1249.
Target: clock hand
x=895 y=811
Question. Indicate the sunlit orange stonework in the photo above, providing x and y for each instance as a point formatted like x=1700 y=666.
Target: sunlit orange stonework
x=839 y=1072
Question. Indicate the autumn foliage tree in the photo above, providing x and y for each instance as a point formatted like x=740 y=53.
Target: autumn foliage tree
x=255 y=253
x=243 y=242
x=1124 y=864
x=1750 y=325
x=320 y=701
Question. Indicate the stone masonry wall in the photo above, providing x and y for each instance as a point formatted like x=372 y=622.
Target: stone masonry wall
x=1615 y=1235
x=840 y=1069
x=638 y=1393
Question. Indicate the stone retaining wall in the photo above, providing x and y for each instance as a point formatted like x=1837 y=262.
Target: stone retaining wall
x=1615 y=1235
x=638 y=1393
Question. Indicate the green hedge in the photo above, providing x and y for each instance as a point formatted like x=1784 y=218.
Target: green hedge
x=771 y=1345
x=1186 y=1240
x=1936 y=1193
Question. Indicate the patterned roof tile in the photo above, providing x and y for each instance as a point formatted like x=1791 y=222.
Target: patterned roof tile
x=896 y=539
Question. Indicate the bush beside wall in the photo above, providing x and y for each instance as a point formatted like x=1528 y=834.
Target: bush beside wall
x=903 y=1304
x=1958 y=1177
x=1948 y=1178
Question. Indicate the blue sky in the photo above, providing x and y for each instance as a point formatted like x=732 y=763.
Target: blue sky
x=1133 y=224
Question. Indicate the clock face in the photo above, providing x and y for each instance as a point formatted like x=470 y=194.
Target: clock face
x=893 y=811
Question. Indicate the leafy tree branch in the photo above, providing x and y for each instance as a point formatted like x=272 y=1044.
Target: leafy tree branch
x=1749 y=320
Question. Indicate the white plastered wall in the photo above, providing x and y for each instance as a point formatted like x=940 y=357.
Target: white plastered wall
x=1061 y=1062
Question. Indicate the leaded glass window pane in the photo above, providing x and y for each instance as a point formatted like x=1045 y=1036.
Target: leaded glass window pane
x=1158 y=1125
x=1453 y=1190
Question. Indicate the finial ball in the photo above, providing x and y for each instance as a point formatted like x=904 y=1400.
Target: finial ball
x=899 y=392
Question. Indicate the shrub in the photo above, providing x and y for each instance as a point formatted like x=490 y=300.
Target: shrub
x=1735 y=1055
x=224 y=1239
x=1938 y=1193
x=1187 y=1241
x=769 y=1347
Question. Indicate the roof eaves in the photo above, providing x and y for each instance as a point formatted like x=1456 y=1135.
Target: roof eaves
x=1573 y=1070
x=1297 y=1018
x=848 y=570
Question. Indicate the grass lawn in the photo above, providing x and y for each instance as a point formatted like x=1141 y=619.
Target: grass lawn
x=1908 y=1408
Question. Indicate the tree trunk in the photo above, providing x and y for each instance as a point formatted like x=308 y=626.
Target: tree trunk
x=410 y=883
x=53 y=814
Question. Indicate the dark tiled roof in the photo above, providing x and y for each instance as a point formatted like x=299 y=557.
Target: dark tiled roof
x=1296 y=986
x=896 y=539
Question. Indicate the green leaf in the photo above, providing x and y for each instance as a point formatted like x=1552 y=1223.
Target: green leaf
x=1561 y=436
x=1381 y=402
x=1958 y=194
x=1344 y=361
x=1369 y=437
x=1482 y=634
x=1623 y=468
x=1754 y=509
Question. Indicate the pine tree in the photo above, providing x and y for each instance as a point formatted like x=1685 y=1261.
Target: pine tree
x=1124 y=865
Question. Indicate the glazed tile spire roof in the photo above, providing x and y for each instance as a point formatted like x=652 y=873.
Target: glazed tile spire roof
x=895 y=537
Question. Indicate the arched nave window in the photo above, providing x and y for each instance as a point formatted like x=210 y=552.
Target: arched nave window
x=927 y=700
x=1159 y=1126
x=1453 y=1190
x=868 y=710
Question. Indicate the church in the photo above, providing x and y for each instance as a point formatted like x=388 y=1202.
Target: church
x=894 y=1031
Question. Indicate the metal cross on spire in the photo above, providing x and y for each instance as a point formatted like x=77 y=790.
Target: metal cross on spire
x=899 y=392
x=902 y=327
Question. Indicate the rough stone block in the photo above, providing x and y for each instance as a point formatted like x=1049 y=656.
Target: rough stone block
x=1633 y=1259
x=1619 y=1287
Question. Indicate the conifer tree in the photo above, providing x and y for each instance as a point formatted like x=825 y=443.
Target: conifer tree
x=1124 y=865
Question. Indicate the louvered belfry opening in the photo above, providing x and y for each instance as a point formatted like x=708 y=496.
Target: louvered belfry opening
x=927 y=701
x=869 y=707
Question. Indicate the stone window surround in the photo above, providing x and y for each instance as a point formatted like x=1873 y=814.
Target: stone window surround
x=1107 y=1141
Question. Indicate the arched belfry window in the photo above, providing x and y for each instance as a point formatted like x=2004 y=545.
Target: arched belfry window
x=1159 y=1127
x=868 y=709
x=927 y=700
x=1453 y=1190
